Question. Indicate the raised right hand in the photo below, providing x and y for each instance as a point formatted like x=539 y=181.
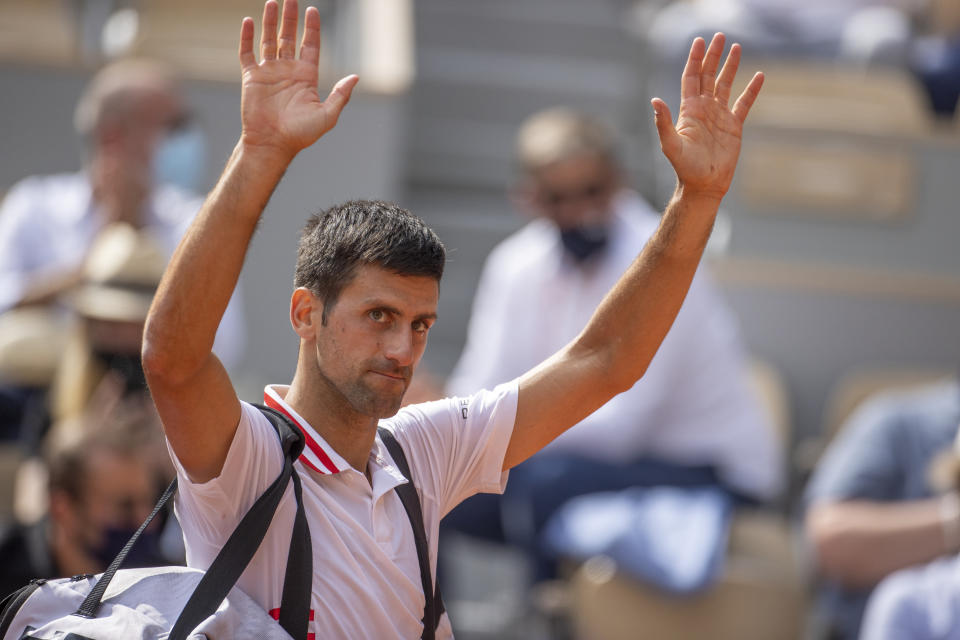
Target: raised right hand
x=280 y=109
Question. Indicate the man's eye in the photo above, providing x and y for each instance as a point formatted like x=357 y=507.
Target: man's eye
x=420 y=326
x=377 y=315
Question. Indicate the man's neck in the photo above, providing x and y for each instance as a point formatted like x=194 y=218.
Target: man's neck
x=349 y=433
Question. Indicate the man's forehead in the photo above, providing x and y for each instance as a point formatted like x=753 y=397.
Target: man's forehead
x=372 y=284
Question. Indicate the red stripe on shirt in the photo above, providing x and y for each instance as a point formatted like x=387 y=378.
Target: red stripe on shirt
x=275 y=614
x=311 y=443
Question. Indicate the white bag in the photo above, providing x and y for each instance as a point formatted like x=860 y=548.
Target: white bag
x=139 y=604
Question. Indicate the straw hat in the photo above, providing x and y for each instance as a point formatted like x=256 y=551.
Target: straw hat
x=120 y=275
x=32 y=340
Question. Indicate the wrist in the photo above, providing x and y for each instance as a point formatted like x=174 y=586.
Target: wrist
x=697 y=195
x=264 y=154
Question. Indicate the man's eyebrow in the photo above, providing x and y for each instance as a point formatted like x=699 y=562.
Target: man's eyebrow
x=377 y=304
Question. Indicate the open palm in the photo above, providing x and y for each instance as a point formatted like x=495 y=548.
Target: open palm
x=280 y=108
x=704 y=145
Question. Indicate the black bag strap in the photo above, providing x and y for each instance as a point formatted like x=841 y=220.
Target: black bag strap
x=243 y=543
x=239 y=549
x=411 y=503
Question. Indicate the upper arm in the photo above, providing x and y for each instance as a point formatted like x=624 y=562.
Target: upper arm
x=200 y=414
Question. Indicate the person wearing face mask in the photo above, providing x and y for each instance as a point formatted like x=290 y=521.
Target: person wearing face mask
x=690 y=422
x=144 y=159
x=104 y=479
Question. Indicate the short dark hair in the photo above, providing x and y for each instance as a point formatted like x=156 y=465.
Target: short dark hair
x=335 y=242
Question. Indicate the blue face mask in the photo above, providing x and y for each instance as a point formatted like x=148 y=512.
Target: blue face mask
x=145 y=553
x=582 y=242
x=180 y=159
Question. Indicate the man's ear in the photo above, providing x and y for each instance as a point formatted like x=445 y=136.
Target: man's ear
x=62 y=509
x=306 y=311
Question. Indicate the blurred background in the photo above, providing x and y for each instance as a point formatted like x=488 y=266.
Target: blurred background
x=836 y=248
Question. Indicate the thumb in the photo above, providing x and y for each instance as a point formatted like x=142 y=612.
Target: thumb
x=339 y=97
x=669 y=140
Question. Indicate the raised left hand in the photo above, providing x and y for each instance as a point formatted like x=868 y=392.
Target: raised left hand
x=704 y=145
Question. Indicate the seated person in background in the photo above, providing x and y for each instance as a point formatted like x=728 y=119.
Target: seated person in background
x=104 y=479
x=871 y=509
x=691 y=420
x=923 y=602
x=143 y=156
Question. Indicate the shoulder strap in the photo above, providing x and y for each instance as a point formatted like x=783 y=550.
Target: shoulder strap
x=411 y=503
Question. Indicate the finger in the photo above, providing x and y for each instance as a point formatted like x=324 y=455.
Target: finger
x=247 y=59
x=288 y=30
x=669 y=139
x=268 y=32
x=727 y=74
x=310 y=45
x=339 y=97
x=711 y=61
x=742 y=106
x=690 y=81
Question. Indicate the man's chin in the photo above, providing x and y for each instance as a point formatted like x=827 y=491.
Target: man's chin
x=381 y=405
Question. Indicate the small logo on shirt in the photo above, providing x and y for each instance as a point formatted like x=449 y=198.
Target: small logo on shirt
x=464 y=405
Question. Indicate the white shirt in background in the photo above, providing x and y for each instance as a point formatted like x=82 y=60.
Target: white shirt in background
x=693 y=405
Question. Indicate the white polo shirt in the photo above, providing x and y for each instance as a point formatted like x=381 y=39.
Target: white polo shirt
x=366 y=577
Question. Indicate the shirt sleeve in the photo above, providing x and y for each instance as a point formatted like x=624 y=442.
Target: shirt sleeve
x=861 y=463
x=14 y=211
x=456 y=446
x=210 y=511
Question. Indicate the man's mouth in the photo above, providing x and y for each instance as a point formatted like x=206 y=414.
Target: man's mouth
x=393 y=376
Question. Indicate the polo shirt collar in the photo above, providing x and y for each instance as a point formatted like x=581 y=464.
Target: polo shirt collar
x=317 y=454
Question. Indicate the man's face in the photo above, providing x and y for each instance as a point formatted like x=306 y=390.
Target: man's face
x=118 y=493
x=575 y=192
x=374 y=337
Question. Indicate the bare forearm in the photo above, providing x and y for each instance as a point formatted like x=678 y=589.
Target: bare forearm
x=203 y=272
x=859 y=543
x=47 y=288
x=636 y=315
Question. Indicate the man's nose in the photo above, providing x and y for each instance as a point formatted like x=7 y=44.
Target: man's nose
x=399 y=347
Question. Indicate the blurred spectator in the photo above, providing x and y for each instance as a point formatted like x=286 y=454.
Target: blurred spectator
x=143 y=156
x=690 y=421
x=923 y=602
x=104 y=478
x=871 y=509
x=916 y=35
